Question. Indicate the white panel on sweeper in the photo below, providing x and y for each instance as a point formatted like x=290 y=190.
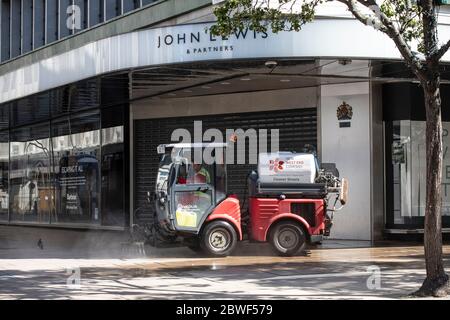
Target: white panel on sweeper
x=286 y=168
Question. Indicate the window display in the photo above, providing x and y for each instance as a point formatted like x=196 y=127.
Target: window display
x=408 y=155
x=68 y=170
x=4 y=164
x=30 y=179
x=76 y=150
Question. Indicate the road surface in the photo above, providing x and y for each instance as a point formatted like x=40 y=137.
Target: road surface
x=336 y=270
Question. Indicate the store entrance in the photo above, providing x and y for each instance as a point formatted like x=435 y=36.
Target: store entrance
x=406 y=158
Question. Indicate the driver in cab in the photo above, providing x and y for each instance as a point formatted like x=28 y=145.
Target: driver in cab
x=199 y=175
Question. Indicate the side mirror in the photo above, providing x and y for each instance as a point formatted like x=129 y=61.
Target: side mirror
x=161 y=149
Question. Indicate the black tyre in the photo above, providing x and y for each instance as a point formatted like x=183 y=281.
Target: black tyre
x=287 y=238
x=219 y=239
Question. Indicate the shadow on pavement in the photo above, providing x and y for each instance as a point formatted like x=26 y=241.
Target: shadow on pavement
x=286 y=280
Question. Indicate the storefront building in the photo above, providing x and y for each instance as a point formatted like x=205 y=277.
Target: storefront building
x=81 y=117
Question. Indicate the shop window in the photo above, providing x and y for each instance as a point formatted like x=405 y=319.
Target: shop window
x=30 y=110
x=4 y=164
x=76 y=155
x=30 y=188
x=113 y=174
x=75 y=97
x=408 y=156
x=4 y=116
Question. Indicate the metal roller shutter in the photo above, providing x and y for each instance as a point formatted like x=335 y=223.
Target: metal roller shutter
x=297 y=128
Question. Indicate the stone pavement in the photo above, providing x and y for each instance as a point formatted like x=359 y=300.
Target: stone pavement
x=335 y=270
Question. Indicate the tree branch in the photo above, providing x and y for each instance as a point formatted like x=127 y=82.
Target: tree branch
x=441 y=51
x=382 y=23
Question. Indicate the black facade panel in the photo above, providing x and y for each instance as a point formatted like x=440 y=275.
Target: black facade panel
x=27 y=25
x=146 y=2
x=297 y=128
x=5 y=40
x=405 y=101
x=52 y=21
x=39 y=24
x=113 y=8
x=65 y=25
x=83 y=7
x=16 y=27
x=129 y=5
x=96 y=12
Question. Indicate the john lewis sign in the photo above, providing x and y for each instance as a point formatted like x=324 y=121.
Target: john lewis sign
x=324 y=38
x=201 y=42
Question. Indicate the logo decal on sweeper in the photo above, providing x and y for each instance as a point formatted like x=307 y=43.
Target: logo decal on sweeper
x=276 y=165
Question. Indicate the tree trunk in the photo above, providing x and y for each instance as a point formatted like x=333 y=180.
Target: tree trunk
x=437 y=281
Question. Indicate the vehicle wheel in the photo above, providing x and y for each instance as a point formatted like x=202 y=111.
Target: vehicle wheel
x=287 y=238
x=218 y=239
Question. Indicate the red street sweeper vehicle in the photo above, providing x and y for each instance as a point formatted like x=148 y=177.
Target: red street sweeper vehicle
x=288 y=200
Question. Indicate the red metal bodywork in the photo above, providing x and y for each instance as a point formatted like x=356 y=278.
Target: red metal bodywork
x=264 y=212
x=228 y=210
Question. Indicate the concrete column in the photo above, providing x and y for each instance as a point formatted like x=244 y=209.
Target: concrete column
x=350 y=149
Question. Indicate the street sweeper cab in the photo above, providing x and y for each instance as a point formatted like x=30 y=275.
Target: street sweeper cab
x=287 y=199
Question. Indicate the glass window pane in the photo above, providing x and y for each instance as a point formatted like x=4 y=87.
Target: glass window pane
x=30 y=109
x=194 y=173
x=409 y=171
x=76 y=97
x=418 y=168
x=446 y=169
x=30 y=174
x=4 y=116
x=113 y=184
x=4 y=163
x=191 y=206
x=76 y=152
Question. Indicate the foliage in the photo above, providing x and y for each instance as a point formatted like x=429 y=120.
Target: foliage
x=292 y=15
